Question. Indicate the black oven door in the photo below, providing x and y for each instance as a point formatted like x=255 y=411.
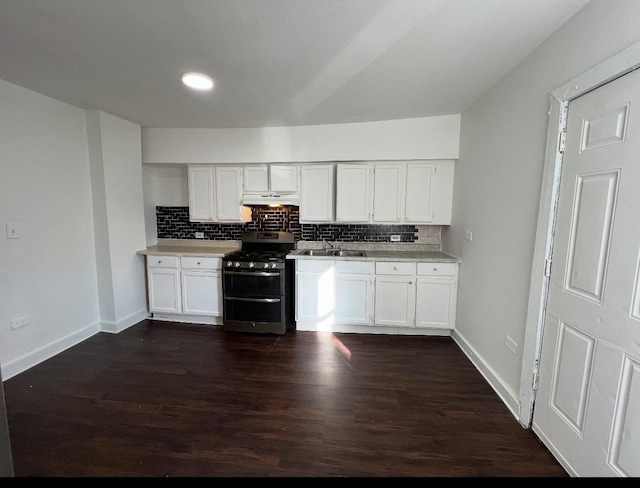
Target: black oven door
x=253 y=284
x=253 y=310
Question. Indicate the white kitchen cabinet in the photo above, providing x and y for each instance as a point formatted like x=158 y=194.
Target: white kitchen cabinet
x=185 y=289
x=388 y=192
x=201 y=200
x=418 y=192
x=415 y=192
x=314 y=291
x=436 y=294
x=354 y=292
x=271 y=178
x=256 y=178
x=395 y=294
x=284 y=178
x=387 y=297
x=228 y=195
x=163 y=281
x=317 y=193
x=215 y=194
x=201 y=286
x=353 y=193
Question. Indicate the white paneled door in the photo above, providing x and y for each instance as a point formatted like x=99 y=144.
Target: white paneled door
x=587 y=405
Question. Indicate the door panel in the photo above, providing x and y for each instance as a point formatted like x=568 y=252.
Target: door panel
x=589 y=384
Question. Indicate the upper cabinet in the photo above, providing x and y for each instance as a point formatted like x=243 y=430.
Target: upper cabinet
x=317 y=193
x=271 y=178
x=215 y=194
x=256 y=178
x=284 y=178
x=353 y=193
x=417 y=192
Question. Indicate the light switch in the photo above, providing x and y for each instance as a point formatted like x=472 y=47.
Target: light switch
x=468 y=235
x=12 y=231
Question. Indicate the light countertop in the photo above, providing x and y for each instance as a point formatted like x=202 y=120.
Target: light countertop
x=191 y=247
x=379 y=255
x=177 y=247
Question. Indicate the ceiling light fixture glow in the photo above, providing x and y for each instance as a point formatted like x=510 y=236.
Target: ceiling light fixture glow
x=197 y=81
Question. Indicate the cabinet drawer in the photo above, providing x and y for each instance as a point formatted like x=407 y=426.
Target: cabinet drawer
x=162 y=261
x=437 y=269
x=320 y=265
x=190 y=262
x=395 y=268
x=355 y=267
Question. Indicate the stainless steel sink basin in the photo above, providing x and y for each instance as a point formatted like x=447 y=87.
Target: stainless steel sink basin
x=317 y=252
x=334 y=252
x=349 y=253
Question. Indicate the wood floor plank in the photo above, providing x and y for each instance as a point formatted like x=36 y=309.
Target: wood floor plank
x=164 y=399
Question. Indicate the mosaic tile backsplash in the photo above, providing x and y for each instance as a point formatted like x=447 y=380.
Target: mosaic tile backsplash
x=173 y=223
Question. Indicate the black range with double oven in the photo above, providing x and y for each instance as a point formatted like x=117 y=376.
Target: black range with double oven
x=257 y=284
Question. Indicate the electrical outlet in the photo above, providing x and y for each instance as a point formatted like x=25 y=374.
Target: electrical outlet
x=199 y=235
x=511 y=345
x=20 y=322
x=12 y=231
x=395 y=238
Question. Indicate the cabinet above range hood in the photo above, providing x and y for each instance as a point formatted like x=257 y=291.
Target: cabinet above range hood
x=270 y=199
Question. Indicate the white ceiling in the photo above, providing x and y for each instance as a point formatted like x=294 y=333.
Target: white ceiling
x=275 y=62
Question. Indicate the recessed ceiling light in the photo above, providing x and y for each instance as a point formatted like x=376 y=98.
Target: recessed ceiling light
x=197 y=81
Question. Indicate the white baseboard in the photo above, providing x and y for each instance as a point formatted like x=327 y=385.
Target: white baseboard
x=37 y=356
x=509 y=397
x=125 y=323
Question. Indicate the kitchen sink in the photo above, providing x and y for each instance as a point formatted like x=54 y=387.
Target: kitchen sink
x=334 y=252
x=317 y=252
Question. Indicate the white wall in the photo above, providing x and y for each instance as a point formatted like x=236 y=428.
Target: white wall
x=420 y=138
x=165 y=185
x=116 y=169
x=498 y=184
x=49 y=273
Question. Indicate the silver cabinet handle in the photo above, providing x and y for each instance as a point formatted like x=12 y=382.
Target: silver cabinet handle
x=435 y=269
x=395 y=268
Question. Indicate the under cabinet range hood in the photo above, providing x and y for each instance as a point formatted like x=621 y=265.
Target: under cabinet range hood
x=270 y=199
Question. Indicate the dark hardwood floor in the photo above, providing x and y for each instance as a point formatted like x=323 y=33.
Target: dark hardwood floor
x=165 y=399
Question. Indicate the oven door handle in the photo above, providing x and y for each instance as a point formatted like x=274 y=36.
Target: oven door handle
x=263 y=300
x=250 y=273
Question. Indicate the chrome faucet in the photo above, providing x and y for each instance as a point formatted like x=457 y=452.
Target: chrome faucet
x=328 y=246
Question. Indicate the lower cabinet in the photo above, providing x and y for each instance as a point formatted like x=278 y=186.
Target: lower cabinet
x=375 y=297
x=185 y=289
x=354 y=292
x=395 y=293
x=436 y=293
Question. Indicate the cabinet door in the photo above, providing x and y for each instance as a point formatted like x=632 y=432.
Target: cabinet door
x=256 y=178
x=164 y=290
x=388 y=189
x=442 y=201
x=228 y=195
x=316 y=193
x=201 y=203
x=353 y=193
x=419 y=193
x=395 y=301
x=435 y=303
x=314 y=294
x=202 y=293
x=283 y=178
x=353 y=299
